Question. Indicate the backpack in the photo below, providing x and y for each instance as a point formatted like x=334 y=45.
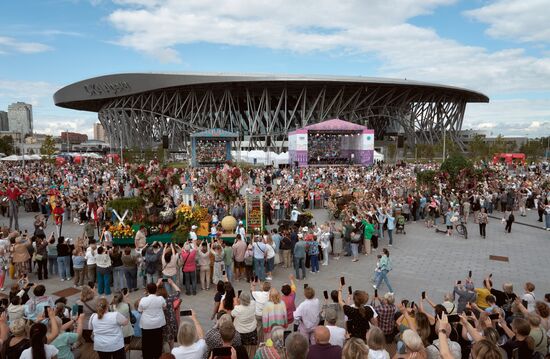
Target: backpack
x=151 y=260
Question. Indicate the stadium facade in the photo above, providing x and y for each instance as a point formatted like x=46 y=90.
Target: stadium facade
x=138 y=109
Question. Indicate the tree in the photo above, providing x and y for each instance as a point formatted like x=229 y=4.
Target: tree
x=6 y=145
x=498 y=145
x=454 y=165
x=478 y=148
x=450 y=147
x=392 y=151
x=425 y=150
x=48 y=148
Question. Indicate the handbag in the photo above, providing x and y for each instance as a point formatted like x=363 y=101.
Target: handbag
x=133 y=319
x=38 y=257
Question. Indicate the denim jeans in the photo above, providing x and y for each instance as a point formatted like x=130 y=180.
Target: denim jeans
x=354 y=249
x=131 y=277
x=229 y=272
x=300 y=263
x=547 y=220
x=347 y=248
x=190 y=282
x=314 y=260
x=259 y=268
x=103 y=281
x=152 y=278
x=383 y=276
x=119 y=281
x=63 y=265
x=52 y=265
x=167 y=285
x=390 y=235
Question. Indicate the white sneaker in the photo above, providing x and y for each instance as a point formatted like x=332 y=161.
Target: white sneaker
x=268 y=278
x=62 y=279
x=69 y=278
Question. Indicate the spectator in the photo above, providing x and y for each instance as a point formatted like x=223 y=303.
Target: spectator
x=300 y=257
x=152 y=321
x=308 y=313
x=274 y=313
x=433 y=351
x=376 y=342
x=120 y=305
x=169 y=260
x=108 y=334
x=191 y=344
x=322 y=347
x=355 y=348
x=78 y=266
x=297 y=346
x=213 y=337
x=359 y=316
x=244 y=315
x=529 y=296
x=35 y=306
x=65 y=340
x=63 y=259
x=289 y=298
x=129 y=268
x=261 y=298
x=170 y=330
x=337 y=334
x=518 y=338
x=274 y=347
x=204 y=265
x=39 y=338
x=104 y=270
x=188 y=264
x=88 y=301
x=17 y=341
x=51 y=250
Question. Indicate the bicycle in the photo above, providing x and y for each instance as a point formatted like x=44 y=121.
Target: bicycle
x=460 y=229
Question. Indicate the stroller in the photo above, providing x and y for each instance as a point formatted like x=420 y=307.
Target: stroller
x=400 y=223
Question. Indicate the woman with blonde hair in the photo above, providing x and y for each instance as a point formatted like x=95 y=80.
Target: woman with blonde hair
x=274 y=313
x=107 y=329
x=376 y=341
x=355 y=348
x=414 y=347
x=244 y=315
x=274 y=347
x=191 y=344
x=88 y=301
x=119 y=304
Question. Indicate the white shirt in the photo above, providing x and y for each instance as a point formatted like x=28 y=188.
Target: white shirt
x=270 y=251
x=152 y=314
x=379 y=354
x=108 y=335
x=194 y=351
x=50 y=352
x=245 y=318
x=294 y=215
x=530 y=299
x=337 y=335
x=261 y=298
x=90 y=256
x=308 y=311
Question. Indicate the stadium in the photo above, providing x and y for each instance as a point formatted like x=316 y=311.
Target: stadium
x=138 y=109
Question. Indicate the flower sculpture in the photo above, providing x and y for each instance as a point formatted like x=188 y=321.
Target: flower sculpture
x=225 y=183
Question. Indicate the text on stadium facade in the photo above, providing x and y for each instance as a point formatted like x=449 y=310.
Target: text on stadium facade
x=101 y=88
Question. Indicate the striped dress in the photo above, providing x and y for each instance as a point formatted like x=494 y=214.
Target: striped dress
x=273 y=315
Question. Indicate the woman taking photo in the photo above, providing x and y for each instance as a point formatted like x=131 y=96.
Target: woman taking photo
x=88 y=301
x=129 y=268
x=103 y=268
x=63 y=259
x=152 y=320
x=245 y=322
x=274 y=313
x=119 y=304
x=170 y=330
x=191 y=344
x=39 y=338
x=107 y=329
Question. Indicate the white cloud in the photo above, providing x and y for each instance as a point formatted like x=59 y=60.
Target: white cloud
x=519 y=117
x=34 y=92
x=371 y=28
x=524 y=20
x=12 y=45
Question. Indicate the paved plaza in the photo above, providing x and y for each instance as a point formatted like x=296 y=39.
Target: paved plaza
x=422 y=260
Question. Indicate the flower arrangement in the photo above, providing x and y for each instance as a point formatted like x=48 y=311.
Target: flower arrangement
x=188 y=216
x=225 y=183
x=122 y=231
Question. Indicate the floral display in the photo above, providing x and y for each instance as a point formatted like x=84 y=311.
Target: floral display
x=188 y=216
x=122 y=231
x=225 y=183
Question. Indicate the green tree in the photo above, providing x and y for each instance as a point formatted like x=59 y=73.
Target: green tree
x=6 y=145
x=48 y=149
x=453 y=165
x=392 y=151
x=425 y=150
x=450 y=147
x=498 y=145
x=478 y=148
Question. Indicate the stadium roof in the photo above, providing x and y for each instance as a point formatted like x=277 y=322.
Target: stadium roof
x=91 y=94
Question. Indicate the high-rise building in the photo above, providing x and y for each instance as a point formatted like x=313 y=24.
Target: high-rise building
x=99 y=132
x=4 y=124
x=20 y=118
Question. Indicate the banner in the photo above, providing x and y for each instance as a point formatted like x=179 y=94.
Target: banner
x=254 y=213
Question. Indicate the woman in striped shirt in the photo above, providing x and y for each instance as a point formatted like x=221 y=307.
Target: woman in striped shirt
x=274 y=313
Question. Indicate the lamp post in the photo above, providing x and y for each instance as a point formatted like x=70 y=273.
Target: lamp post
x=187 y=195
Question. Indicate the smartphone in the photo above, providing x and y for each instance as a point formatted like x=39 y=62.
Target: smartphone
x=524 y=303
x=342 y=281
x=46 y=307
x=5 y=302
x=80 y=309
x=296 y=326
x=256 y=278
x=376 y=293
x=490 y=275
x=30 y=284
x=459 y=282
x=306 y=285
x=286 y=334
x=412 y=305
x=350 y=290
x=185 y=313
x=494 y=316
x=223 y=272
x=453 y=318
x=468 y=312
x=124 y=291
x=322 y=322
x=470 y=274
x=223 y=352
x=423 y=295
x=239 y=293
x=325 y=293
x=165 y=280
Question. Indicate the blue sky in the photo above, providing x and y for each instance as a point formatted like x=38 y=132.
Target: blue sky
x=498 y=47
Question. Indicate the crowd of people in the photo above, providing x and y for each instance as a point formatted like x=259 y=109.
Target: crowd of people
x=367 y=206
x=211 y=152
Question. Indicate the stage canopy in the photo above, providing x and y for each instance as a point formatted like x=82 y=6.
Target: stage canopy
x=331 y=142
x=211 y=147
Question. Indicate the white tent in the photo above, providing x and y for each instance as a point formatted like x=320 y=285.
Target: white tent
x=34 y=157
x=378 y=156
x=11 y=158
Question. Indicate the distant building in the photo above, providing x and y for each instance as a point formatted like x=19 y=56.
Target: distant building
x=20 y=118
x=91 y=146
x=73 y=137
x=512 y=142
x=99 y=132
x=4 y=124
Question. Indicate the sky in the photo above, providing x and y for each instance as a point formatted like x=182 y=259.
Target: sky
x=498 y=47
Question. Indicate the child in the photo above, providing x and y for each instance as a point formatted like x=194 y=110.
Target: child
x=377 y=270
x=78 y=265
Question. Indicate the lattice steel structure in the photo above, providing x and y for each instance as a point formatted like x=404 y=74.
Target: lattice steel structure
x=136 y=110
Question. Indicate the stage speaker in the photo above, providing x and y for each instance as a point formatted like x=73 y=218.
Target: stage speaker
x=165 y=142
